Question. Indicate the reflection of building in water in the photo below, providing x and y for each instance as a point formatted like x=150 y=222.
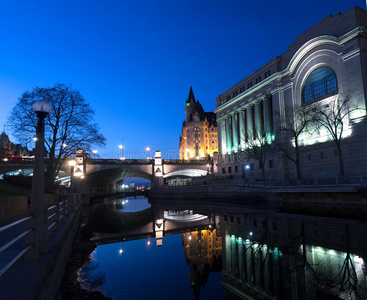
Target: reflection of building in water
x=292 y=257
x=203 y=252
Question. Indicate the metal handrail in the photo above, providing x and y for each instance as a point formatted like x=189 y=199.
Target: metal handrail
x=52 y=207
x=15 y=223
x=14 y=240
x=51 y=216
x=52 y=225
x=14 y=260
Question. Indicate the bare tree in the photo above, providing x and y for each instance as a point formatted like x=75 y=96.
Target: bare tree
x=258 y=147
x=292 y=125
x=69 y=126
x=334 y=116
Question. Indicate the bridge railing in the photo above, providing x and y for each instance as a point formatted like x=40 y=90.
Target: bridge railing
x=21 y=234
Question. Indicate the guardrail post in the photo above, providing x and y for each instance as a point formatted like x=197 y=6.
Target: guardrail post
x=32 y=239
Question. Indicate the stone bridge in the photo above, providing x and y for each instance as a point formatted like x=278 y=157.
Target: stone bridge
x=103 y=172
x=116 y=169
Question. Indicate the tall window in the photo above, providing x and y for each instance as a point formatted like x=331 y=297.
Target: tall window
x=321 y=83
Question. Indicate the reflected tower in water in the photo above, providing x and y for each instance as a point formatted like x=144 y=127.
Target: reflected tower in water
x=203 y=253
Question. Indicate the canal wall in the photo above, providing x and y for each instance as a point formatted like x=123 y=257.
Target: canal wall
x=334 y=201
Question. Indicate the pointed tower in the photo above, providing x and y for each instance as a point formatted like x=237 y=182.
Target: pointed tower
x=190 y=104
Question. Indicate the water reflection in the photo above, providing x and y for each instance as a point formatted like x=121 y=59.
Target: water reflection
x=250 y=253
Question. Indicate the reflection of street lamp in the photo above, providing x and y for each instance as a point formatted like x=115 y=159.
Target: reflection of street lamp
x=42 y=109
x=207 y=168
x=147 y=148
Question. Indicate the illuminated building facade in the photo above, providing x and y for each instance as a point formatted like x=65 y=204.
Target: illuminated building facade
x=199 y=137
x=284 y=256
x=325 y=63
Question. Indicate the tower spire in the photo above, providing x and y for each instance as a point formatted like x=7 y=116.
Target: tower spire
x=191 y=97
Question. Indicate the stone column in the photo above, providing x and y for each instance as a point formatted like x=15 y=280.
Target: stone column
x=235 y=131
x=223 y=138
x=257 y=268
x=234 y=255
x=266 y=268
x=258 y=120
x=229 y=135
x=226 y=252
x=267 y=118
x=242 y=128
x=248 y=257
x=277 y=279
x=249 y=124
x=240 y=258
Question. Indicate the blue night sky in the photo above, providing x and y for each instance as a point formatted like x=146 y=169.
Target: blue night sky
x=134 y=61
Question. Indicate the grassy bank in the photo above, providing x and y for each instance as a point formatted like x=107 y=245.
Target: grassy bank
x=9 y=190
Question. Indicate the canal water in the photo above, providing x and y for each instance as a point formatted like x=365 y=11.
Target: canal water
x=213 y=249
x=139 y=269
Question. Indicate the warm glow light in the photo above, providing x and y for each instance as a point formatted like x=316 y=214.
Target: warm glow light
x=35 y=139
x=72 y=163
x=95 y=151
x=121 y=146
x=147 y=148
x=64 y=145
x=5 y=159
x=78 y=174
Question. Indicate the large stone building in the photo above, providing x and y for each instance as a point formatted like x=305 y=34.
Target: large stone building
x=325 y=65
x=8 y=149
x=199 y=136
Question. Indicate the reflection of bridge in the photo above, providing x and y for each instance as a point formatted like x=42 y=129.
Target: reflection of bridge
x=165 y=223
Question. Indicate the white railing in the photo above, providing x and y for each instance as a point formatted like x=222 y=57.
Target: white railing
x=55 y=214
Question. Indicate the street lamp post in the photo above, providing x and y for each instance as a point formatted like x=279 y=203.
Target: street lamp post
x=147 y=149
x=5 y=161
x=71 y=164
x=42 y=109
x=122 y=151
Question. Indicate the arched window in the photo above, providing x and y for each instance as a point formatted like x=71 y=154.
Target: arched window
x=321 y=83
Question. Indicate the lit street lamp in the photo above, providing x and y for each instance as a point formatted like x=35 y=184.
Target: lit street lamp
x=147 y=149
x=42 y=109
